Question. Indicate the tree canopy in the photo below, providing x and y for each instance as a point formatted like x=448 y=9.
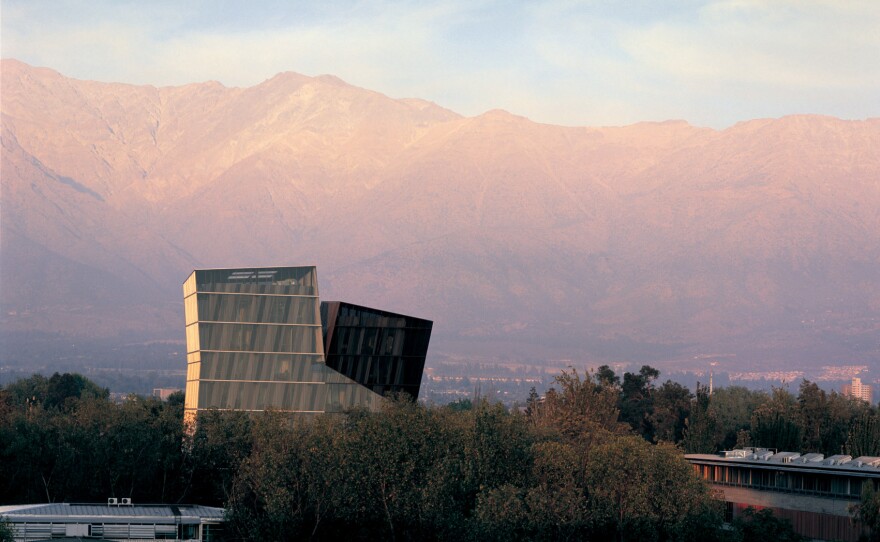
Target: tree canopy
x=595 y=458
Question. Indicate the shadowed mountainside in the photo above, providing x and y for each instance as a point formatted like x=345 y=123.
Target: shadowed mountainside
x=656 y=241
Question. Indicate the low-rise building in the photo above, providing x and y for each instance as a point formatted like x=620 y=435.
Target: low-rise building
x=814 y=492
x=116 y=520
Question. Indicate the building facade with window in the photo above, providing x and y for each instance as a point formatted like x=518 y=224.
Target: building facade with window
x=256 y=341
x=380 y=350
x=859 y=390
x=184 y=523
x=814 y=492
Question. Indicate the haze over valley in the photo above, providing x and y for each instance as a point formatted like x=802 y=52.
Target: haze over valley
x=664 y=243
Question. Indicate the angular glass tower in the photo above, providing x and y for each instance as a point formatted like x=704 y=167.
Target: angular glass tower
x=254 y=342
x=378 y=349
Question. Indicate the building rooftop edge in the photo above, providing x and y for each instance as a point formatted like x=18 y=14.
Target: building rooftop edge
x=763 y=457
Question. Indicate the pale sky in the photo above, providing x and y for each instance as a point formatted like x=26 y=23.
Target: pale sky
x=712 y=63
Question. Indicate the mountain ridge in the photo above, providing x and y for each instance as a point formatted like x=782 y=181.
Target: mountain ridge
x=556 y=239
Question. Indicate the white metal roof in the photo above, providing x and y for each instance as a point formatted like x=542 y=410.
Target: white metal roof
x=102 y=513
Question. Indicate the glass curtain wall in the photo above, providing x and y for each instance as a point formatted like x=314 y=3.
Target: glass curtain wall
x=382 y=351
x=254 y=342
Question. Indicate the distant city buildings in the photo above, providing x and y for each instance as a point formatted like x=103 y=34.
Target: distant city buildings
x=256 y=340
x=858 y=390
x=164 y=393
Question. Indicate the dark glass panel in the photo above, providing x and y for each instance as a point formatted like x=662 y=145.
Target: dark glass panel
x=381 y=350
x=855 y=486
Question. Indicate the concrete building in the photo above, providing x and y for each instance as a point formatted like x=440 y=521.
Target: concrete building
x=858 y=390
x=116 y=520
x=814 y=492
x=164 y=393
x=256 y=340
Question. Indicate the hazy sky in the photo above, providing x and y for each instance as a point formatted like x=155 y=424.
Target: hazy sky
x=712 y=63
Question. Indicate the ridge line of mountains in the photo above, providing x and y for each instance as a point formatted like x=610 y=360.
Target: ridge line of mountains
x=654 y=242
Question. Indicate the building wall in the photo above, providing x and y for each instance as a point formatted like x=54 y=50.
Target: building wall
x=382 y=351
x=814 y=525
x=816 y=502
x=859 y=390
x=254 y=342
x=771 y=499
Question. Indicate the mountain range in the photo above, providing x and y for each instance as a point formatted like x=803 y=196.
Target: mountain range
x=657 y=242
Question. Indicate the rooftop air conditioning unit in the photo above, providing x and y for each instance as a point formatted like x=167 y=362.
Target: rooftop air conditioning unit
x=786 y=457
x=126 y=501
x=111 y=501
x=865 y=461
x=811 y=458
x=838 y=459
x=733 y=453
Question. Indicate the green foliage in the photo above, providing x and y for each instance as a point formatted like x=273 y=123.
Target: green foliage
x=762 y=526
x=568 y=469
x=864 y=435
x=867 y=512
x=582 y=410
x=5 y=531
x=672 y=407
x=80 y=446
x=640 y=491
x=731 y=408
x=221 y=443
x=775 y=423
x=700 y=426
x=606 y=377
x=462 y=404
x=637 y=400
x=176 y=399
x=58 y=391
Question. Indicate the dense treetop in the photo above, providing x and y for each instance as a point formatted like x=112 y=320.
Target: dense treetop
x=599 y=457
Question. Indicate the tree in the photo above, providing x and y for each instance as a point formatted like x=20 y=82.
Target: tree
x=6 y=534
x=774 y=423
x=867 y=512
x=606 y=377
x=27 y=391
x=812 y=406
x=864 y=435
x=700 y=426
x=640 y=491
x=637 y=400
x=550 y=505
x=462 y=404
x=762 y=526
x=672 y=406
x=62 y=388
x=267 y=499
x=842 y=413
x=177 y=398
x=582 y=410
x=220 y=444
x=732 y=408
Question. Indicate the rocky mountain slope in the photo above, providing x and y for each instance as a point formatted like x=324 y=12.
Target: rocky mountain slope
x=656 y=241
